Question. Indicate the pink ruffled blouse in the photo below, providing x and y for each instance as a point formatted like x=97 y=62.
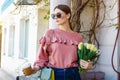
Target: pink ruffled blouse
x=58 y=49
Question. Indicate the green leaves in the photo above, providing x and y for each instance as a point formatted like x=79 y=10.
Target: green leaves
x=87 y=51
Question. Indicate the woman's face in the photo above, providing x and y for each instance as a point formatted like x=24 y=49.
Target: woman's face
x=60 y=17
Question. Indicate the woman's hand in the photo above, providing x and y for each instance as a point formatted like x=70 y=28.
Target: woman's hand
x=35 y=69
x=86 y=64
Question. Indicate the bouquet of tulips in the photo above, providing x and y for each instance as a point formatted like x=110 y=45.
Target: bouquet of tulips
x=87 y=51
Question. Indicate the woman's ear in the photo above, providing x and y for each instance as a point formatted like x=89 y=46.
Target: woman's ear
x=68 y=15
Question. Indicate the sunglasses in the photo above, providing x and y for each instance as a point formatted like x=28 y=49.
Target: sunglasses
x=57 y=15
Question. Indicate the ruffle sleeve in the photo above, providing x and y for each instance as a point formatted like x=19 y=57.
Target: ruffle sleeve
x=42 y=57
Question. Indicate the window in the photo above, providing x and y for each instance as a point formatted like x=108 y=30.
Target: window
x=11 y=41
x=4 y=40
x=24 y=35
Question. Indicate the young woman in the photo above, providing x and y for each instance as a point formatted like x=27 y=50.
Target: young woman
x=58 y=48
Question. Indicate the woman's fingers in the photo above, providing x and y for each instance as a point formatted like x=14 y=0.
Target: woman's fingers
x=86 y=64
x=35 y=69
x=83 y=64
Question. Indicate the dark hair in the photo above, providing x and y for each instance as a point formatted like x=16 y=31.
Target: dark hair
x=65 y=9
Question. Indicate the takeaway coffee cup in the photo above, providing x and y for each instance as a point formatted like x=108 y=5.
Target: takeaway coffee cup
x=27 y=69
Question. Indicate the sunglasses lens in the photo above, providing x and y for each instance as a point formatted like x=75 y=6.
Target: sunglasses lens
x=53 y=16
x=58 y=15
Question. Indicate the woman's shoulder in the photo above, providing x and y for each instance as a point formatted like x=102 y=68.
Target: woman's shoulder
x=47 y=36
x=78 y=34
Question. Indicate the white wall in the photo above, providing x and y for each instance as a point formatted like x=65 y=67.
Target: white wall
x=106 y=37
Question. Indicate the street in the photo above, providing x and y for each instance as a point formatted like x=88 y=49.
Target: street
x=6 y=76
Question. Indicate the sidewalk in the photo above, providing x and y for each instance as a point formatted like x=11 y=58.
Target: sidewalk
x=6 y=76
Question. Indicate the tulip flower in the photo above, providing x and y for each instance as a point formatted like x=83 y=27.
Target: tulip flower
x=80 y=45
x=87 y=51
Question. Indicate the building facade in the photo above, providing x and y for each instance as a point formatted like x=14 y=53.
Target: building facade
x=22 y=28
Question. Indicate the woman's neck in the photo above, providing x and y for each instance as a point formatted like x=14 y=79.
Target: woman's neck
x=65 y=27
